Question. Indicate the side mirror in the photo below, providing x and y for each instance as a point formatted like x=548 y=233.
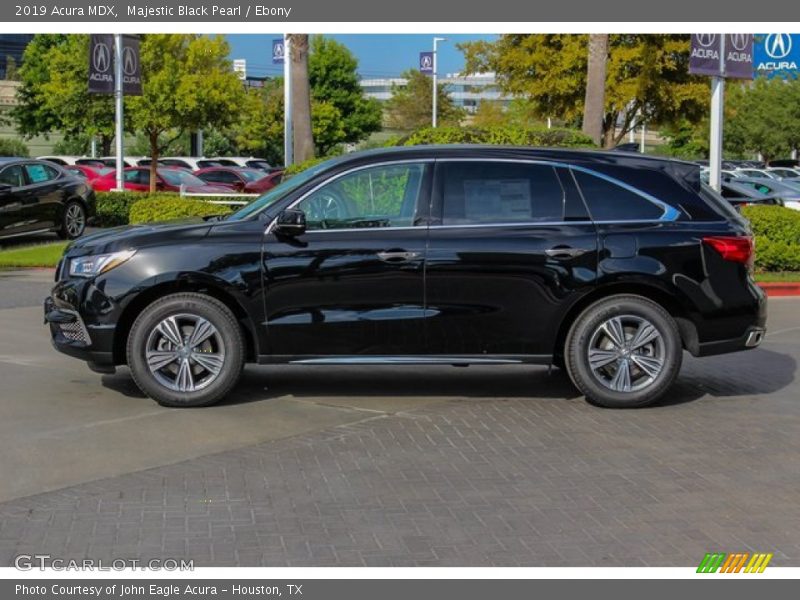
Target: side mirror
x=5 y=188
x=291 y=222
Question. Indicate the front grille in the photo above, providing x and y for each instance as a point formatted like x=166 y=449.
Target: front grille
x=75 y=332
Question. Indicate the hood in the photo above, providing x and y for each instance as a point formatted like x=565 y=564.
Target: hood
x=138 y=236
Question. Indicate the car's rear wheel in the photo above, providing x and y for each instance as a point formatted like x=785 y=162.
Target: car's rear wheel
x=623 y=351
x=73 y=221
x=186 y=350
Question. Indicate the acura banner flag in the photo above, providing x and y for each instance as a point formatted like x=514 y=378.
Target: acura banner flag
x=101 y=65
x=738 y=59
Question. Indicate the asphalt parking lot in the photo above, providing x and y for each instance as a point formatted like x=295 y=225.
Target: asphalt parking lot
x=439 y=466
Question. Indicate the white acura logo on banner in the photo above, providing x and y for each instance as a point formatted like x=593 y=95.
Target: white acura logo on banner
x=778 y=45
x=101 y=58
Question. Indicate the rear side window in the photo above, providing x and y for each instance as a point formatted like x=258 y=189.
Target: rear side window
x=498 y=192
x=608 y=201
x=38 y=173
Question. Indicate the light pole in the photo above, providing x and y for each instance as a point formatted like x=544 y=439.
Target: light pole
x=119 y=131
x=288 y=148
x=436 y=41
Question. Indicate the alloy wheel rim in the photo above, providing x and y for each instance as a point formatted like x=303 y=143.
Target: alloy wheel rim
x=185 y=352
x=626 y=353
x=75 y=220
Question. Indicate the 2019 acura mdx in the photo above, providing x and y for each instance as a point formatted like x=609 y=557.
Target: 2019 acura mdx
x=609 y=265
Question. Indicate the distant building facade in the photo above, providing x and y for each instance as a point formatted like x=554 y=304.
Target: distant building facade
x=12 y=46
x=466 y=91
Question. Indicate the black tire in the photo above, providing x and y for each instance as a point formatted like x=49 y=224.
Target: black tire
x=606 y=385
x=225 y=346
x=73 y=221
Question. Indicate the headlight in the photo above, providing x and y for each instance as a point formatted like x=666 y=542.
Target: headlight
x=89 y=266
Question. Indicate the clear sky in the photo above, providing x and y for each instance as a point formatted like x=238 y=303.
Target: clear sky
x=378 y=55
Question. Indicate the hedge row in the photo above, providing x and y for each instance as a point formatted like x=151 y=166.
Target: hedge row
x=149 y=210
x=777 y=234
x=114 y=208
x=513 y=136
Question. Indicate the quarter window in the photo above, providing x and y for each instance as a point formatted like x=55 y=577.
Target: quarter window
x=382 y=196
x=500 y=192
x=608 y=201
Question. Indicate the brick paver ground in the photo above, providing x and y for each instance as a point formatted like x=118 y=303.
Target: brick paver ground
x=540 y=481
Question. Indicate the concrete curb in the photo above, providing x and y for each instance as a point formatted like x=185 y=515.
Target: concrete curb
x=775 y=289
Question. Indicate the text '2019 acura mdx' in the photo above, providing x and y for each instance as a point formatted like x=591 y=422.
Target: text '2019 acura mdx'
x=606 y=264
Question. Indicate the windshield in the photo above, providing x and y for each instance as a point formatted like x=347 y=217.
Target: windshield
x=178 y=177
x=279 y=191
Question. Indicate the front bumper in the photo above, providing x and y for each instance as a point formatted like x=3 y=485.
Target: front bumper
x=70 y=335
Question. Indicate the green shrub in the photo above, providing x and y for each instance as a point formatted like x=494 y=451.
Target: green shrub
x=152 y=209
x=13 y=147
x=306 y=164
x=500 y=135
x=777 y=234
x=113 y=208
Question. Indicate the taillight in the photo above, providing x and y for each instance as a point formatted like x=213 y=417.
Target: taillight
x=734 y=249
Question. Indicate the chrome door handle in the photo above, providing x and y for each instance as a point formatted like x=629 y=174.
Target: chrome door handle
x=397 y=256
x=564 y=252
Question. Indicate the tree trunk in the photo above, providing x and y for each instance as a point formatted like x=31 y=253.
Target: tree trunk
x=105 y=145
x=594 y=104
x=302 y=136
x=154 y=152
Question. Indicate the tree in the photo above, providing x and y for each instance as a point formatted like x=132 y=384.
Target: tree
x=595 y=98
x=187 y=84
x=31 y=115
x=333 y=76
x=646 y=75
x=302 y=133
x=54 y=95
x=762 y=118
x=410 y=106
x=490 y=113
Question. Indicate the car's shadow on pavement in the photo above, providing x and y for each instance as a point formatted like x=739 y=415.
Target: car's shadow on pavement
x=756 y=372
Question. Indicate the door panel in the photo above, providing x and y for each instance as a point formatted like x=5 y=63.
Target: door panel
x=353 y=284
x=512 y=250
x=16 y=214
x=45 y=195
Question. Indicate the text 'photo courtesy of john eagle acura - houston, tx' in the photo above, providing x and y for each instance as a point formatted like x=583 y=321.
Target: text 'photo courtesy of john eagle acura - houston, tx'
x=606 y=264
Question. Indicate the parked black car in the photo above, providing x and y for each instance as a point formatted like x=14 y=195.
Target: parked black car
x=606 y=264
x=37 y=196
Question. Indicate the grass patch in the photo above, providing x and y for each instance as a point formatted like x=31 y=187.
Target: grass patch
x=40 y=255
x=779 y=277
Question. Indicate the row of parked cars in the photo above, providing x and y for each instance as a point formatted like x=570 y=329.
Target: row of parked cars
x=756 y=184
x=221 y=175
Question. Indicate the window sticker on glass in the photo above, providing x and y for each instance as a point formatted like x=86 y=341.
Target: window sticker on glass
x=492 y=198
x=37 y=173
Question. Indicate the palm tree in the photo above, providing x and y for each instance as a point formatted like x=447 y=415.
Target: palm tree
x=302 y=136
x=594 y=104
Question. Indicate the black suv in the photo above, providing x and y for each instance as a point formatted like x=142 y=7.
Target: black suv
x=605 y=264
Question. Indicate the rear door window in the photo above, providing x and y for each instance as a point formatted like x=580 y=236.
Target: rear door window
x=39 y=173
x=609 y=201
x=475 y=193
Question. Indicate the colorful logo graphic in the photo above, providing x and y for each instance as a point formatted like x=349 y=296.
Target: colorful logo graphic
x=737 y=562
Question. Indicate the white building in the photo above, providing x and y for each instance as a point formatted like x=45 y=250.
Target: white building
x=467 y=91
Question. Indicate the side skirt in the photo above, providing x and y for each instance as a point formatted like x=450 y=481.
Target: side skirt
x=514 y=359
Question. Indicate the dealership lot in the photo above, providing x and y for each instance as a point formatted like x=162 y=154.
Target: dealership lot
x=396 y=466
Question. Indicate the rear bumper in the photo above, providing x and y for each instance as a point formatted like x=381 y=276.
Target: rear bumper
x=752 y=338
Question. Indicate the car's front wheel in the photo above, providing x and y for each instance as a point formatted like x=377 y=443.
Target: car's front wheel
x=186 y=350
x=623 y=351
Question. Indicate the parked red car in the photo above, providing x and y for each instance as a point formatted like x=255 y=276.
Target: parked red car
x=88 y=173
x=169 y=180
x=248 y=181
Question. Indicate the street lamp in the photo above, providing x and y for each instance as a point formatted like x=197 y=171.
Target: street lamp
x=436 y=40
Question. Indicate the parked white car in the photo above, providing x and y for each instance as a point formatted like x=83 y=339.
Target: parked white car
x=251 y=162
x=186 y=162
